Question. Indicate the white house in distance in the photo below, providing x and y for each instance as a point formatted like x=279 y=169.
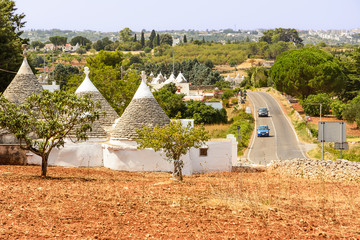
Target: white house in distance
x=180 y=81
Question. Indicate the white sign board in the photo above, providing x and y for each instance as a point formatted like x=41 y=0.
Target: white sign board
x=332 y=132
x=248 y=110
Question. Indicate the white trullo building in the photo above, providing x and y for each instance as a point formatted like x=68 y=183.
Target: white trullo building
x=87 y=87
x=120 y=152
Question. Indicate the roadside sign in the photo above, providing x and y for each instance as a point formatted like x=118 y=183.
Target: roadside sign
x=332 y=132
x=344 y=145
x=238 y=127
x=248 y=109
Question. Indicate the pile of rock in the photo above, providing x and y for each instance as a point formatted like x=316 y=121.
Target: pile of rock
x=340 y=169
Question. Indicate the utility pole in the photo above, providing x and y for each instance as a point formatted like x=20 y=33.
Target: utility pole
x=173 y=61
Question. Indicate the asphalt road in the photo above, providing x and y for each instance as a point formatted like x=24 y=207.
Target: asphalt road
x=283 y=143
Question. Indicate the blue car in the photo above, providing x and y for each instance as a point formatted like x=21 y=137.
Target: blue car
x=263 y=131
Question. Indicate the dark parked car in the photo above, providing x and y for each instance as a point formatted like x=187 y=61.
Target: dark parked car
x=263 y=112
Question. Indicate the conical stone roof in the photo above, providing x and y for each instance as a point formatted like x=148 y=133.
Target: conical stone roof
x=23 y=85
x=181 y=79
x=142 y=110
x=87 y=87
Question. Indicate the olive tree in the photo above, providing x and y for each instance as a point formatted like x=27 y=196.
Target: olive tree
x=44 y=121
x=174 y=140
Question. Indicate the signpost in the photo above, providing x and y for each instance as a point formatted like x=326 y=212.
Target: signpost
x=332 y=132
x=239 y=134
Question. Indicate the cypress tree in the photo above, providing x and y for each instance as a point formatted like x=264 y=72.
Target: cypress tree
x=142 y=39
x=185 y=39
x=152 y=35
x=135 y=38
x=158 y=40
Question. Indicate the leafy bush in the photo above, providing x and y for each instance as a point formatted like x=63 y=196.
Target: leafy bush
x=246 y=123
x=234 y=101
x=312 y=103
x=337 y=108
x=147 y=50
x=351 y=111
x=227 y=94
x=202 y=113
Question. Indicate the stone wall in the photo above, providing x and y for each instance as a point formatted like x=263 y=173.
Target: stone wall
x=340 y=169
x=12 y=155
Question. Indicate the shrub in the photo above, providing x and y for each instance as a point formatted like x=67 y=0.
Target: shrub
x=234 y=101
x=312 y=103
x=147 y=50
x=351 y=111
x=337 y=108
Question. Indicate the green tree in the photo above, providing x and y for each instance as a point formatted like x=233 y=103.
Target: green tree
x=51 y=117
x=62 y=73
x=202 y=113
x=37 y=44
x=170 y=101
x=337 y=108
x=126 y=35
x=307 y=71
x=174 y=140
x=58 y=40
x=351 y=111
x=185 y=39
x=351 y=67
x=158 y=40
x=11 y=24
x=110 y=73
x=152 y=35
x=142 y=39
x=281 y=34
x=83 y=41
x=166 y=39
x=312 y=103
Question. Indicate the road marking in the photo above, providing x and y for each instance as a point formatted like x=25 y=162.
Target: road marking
x=254 y=134
x=291 y=126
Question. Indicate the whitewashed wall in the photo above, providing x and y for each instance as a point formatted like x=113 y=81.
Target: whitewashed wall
x=132 y=159
x=128 y=158
x=218 y=159
x=82 y=154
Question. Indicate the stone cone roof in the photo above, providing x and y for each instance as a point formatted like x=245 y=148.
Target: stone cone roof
x=142 y=110
x=23 y=85
x=87 y=87
x=181 y=79
x=97 y=131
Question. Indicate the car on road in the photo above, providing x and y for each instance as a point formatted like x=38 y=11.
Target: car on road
x=263 y=131
x=263 y=112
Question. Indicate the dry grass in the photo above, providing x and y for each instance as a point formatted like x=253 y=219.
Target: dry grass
x=217 y=130
x=97 y=203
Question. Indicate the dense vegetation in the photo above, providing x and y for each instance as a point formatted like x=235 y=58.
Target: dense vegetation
x=10 y=42
x=307 y=71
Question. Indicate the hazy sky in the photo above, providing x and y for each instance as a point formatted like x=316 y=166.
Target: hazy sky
x=114 y=15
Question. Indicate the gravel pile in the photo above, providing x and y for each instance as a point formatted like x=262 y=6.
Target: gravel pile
x=339 y=169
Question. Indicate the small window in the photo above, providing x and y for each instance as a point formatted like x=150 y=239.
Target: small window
x=203 y=152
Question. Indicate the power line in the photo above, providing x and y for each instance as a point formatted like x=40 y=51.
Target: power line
x=7 y=71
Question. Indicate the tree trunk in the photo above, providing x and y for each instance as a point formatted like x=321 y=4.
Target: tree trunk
x=44 y=166
x=177 y=171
